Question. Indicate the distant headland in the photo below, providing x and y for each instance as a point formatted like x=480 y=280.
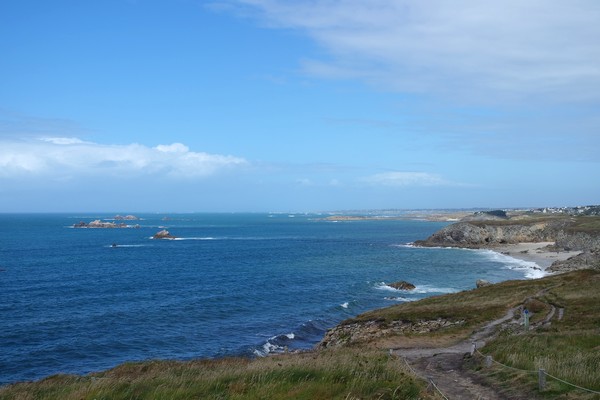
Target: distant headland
x=562 y=239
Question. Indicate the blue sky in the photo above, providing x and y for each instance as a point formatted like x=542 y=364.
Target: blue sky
x=268 y=105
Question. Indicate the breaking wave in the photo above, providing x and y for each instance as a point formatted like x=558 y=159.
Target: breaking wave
x=531 y=269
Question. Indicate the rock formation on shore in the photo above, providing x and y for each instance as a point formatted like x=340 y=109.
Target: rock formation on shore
x=482 y=283
x=366 y=331
x=487 y=234
x=567 y=233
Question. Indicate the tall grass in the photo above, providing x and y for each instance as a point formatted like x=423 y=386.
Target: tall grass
x=569 y=348
x=344 y=374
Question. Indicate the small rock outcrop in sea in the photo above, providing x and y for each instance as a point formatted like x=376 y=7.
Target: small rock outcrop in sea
x=483 y=283
x=402 y=285
x=126 y=218
x=164 y=234
x=102 y=224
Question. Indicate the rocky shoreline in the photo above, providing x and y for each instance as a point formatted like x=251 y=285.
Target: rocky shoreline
x=556 y=244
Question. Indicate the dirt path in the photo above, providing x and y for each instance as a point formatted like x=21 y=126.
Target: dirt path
x=445 y=366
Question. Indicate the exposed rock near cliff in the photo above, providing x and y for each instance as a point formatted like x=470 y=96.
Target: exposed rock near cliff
x=567 y=232
x=587 y=259
x=402 y=285
x=482 y=283
x=488 y=234
x=570 y=239
x=366 y=331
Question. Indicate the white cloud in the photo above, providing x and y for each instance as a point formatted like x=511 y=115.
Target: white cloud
x=173 y=148
x=62 y=140
x=406 y=179
x=57 y=157
x=462 y=47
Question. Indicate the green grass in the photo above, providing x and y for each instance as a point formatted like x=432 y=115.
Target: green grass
x=568 y=349
x=314 y=375
x=588 y=224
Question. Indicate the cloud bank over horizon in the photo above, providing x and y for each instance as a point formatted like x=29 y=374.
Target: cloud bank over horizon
x=70 y=157
x=299 y=105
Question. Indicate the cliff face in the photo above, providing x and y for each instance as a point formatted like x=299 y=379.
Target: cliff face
x=584 y=241
x=566 y=233
x=470 y=235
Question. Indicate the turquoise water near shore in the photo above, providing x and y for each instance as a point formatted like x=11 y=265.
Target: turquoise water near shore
x=231 y=284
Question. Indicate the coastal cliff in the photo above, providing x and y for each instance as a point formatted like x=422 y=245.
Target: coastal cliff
x=479 y=234
x=568 y=233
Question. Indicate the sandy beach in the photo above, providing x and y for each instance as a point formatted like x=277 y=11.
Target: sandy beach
x=535 y=252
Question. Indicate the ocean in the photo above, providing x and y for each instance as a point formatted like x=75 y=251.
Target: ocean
x=82 y=300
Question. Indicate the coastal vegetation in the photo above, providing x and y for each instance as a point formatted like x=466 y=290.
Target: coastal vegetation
x=348 y=374
x=566 y=344
x=359 y=366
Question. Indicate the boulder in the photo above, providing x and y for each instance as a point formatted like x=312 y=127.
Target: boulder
x=164 y=234
x=402 y=285
x=483 y=283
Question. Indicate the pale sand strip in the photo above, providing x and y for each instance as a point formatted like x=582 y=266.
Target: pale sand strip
x=535 y=252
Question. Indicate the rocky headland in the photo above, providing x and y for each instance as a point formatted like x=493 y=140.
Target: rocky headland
x=575 y=236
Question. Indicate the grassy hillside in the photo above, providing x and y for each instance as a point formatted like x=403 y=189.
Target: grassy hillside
x=314 y=375
x=567 y=347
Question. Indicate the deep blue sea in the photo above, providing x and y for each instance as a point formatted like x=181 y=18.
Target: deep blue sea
x=232 y=284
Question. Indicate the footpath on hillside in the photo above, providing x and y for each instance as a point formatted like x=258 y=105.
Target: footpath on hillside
x=445 y=367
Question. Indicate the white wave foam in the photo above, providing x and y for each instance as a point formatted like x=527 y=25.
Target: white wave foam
x=420 y=289
x=410 y=245
x=270 y=347
x=531 y=269
x=432 y=289
x=398 y=298
x=266 y=349
x=195 y=238
x=127 y=245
